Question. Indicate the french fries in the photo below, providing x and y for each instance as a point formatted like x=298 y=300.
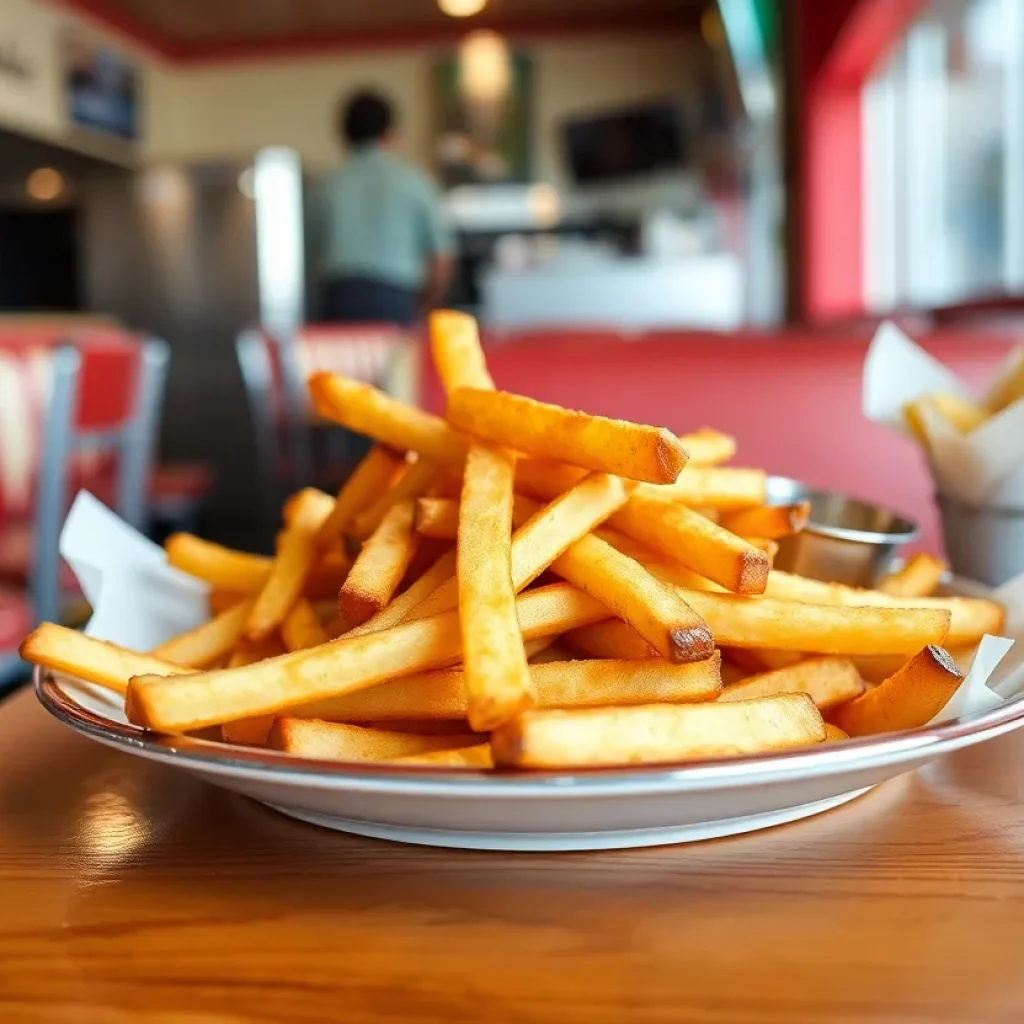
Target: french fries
x=919 y=577
x=719 y=490
x=829 y=682
x=498 y=684
x=234 y=571
x=332 y=741
x=910 y=698
x=96 y=661
x=685 y=536
x=212 y=698
x=771 y=522
x=440 y=695
x=416 y=650
x=362 y=489
x=294 y=560
x=415 y=479
x=594 y=442
x=657 y=732
x=970 y=617
x=365 y=410
x=380 y=566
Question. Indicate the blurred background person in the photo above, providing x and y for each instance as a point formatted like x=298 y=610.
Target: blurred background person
x=381 y=246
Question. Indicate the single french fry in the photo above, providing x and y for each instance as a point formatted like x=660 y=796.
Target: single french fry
x=221 y=567
x=594 y=442
x=713 y=489
x=919 y=577
x=910 y=698
x=208 y=643
x=366 y=410
x=333 y=741
x=655 y=564
x=971 y=617
x=440 y=695
x=296 y=551
x=769 y=521
x=654 y=733
x=707 y=447
x=740 y=622
x=498 y=684
x=212 y=698
x=84 y=657
x=833 y=734
x=654 y=609
x=301 y=628
x=380 y=566
x=438 y=518
x=248 y=652
x=455 y=347
x=828 y=681
x=462 y=757
x=413 y=482
x=361 y=490
x=683 y=535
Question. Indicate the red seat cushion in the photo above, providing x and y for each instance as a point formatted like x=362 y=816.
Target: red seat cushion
x=15 y=618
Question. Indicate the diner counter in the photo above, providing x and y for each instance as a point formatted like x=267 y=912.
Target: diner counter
x=131 y=892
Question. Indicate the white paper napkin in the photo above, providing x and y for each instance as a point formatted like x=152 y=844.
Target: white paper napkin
x=984 y=468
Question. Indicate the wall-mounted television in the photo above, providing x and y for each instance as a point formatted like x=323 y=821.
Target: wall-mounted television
x=624 y=143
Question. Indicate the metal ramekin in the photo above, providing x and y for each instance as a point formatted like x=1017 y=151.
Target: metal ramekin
x=845 y=540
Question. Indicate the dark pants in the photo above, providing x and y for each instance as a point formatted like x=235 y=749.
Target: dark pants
x=363 y=300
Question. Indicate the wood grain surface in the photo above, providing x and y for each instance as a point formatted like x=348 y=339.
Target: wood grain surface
x=129 y=892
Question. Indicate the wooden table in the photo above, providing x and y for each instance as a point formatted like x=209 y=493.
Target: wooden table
x=130 y=892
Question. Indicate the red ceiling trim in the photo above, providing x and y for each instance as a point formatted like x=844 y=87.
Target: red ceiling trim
x=286 y=47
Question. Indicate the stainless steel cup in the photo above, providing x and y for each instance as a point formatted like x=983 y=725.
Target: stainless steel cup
x=845 y=540
x=985 y=544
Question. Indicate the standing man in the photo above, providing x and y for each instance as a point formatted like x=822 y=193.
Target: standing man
x=384 y=251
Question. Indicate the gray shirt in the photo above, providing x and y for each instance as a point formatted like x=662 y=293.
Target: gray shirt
x=377 y=217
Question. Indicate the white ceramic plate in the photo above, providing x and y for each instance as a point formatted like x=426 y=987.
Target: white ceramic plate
x=581 y=810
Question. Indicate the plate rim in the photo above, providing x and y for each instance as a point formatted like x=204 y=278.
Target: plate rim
x=218 y=758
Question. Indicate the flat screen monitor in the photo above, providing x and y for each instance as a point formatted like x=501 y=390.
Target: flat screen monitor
x=624 y=143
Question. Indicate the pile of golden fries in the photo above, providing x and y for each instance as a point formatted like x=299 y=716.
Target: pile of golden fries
x=519 y=585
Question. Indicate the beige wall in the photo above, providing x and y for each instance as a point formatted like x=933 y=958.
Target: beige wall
x=231 y=111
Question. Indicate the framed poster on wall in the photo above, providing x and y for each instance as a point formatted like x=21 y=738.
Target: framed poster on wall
x=483 y=101
x=102 y=89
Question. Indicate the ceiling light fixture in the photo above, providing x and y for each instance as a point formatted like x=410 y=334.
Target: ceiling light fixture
x=45 y=184
x=461 y=8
